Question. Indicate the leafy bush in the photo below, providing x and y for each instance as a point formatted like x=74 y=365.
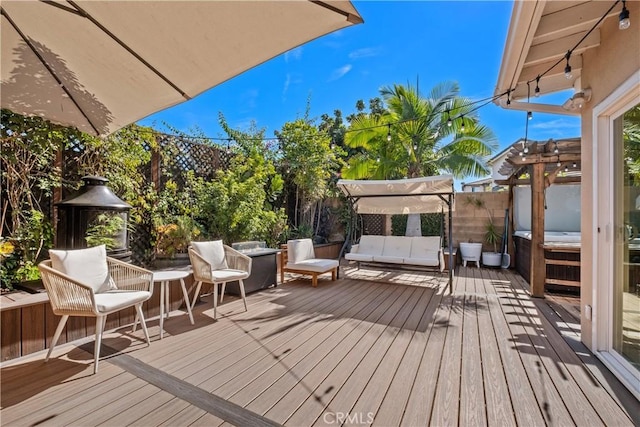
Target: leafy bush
x=235 y=206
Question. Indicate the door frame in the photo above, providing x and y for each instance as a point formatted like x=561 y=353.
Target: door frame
x=604 y=113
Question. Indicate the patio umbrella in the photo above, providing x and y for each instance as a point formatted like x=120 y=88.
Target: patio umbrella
x=100 y=65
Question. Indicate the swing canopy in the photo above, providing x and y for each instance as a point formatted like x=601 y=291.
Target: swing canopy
x=399 y=196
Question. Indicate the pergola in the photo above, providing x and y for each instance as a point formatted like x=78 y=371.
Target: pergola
x=545 y=163
x=431 y=194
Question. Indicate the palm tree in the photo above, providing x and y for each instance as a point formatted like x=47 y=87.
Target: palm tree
x=429 y=136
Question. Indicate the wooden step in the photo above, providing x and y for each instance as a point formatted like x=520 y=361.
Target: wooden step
x=563 y=282
x=562 y=262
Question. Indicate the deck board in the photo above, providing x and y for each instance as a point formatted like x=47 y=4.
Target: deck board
x=381 y=347
x=265 y=392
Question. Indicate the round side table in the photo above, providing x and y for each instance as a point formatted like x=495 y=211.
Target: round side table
x=164 y=278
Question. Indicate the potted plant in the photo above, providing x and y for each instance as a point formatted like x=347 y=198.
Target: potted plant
x=491 y=237
x=173 y=241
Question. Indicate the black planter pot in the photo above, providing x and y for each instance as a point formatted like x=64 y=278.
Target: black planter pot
x=31 y=286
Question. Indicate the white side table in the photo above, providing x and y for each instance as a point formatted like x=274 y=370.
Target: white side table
x=164 y=278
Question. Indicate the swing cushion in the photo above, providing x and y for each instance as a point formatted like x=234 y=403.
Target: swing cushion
x=366 y=249
x=425 y=251
x=396 y=249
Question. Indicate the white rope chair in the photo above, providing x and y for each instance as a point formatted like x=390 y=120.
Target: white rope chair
x=128 y=286
x=216 y=263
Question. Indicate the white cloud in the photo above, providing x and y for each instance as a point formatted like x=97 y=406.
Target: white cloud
x=340 y=72
x=293 y=54
x=558 y=128
x=365 y=52
x=556 y=124
x=287 y=82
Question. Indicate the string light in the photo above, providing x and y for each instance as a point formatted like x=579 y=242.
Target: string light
x=556 y=150
x=536 y=92
x=624 y=17
x=566 y=169
x=462 y=126
x=567 y=68
x=529 y=115
x=526 y=150
x=389 y=132
x=449 y=121
x=558 y=164
x=574 y=165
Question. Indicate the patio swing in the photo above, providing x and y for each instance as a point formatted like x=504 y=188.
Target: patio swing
x=404 y=196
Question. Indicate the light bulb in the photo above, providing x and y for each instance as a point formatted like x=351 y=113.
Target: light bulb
x=556 y=151
x=574 y=165
x=558 y=164
x=526 y=150
x=462 y=127
x=415 y=147
x=624 y=18
x=566 y=169
x=567 y=71
x=536 y=92
x=524 y=158
x=529 y=115
x=389 y=137
x=449 y=122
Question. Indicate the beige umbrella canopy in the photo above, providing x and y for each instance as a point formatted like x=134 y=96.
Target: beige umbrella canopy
x=100 y=65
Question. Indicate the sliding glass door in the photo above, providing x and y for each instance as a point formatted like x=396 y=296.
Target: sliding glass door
x=625 y=290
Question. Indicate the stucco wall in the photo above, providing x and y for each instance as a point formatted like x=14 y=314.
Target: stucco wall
x=604 y=69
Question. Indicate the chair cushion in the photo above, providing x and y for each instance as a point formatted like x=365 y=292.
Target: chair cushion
x=425 y=246
x=87 y=266
x=116 y=300
x=431 y=261
x=371 y=245
x=228 y=275
x=315 y=265
x=396 y=246
x=389 y=259
x=212 y=252
x=300 y=250
x=358 y=257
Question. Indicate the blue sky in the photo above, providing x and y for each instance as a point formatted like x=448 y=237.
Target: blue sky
x=399 y=42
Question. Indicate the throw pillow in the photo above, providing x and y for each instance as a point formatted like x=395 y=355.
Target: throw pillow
x=87 y=266
x=212 y=252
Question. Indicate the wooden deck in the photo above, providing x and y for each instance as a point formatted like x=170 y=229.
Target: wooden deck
x=375 y=347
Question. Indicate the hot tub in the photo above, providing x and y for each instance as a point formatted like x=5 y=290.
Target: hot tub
x=561 y=253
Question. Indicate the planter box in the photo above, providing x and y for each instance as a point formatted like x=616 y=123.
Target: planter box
x=28 y=323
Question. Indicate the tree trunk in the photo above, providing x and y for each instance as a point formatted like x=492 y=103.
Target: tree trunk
x=414 y=226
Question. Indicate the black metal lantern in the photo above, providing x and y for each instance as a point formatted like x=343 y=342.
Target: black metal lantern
x=95 y=216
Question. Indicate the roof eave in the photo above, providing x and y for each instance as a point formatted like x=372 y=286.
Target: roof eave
x=524 y=21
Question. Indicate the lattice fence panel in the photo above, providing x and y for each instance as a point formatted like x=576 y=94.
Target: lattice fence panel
x=180 y=155
x=373 y=224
